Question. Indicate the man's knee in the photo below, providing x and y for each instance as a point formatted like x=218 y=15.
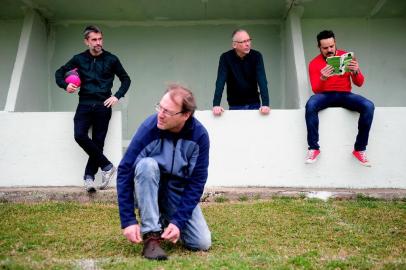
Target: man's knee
x=201 y=244
x=311 y=105
x=146 y=167
x=369 y=106
x=80 y=137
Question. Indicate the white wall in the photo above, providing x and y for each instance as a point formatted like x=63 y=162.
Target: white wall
x=247 y=149
x=38 y=149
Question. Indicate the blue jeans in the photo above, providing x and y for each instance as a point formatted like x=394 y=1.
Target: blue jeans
x=254 y=106
x=156 y=210
x=345 y=100
x=98 y=117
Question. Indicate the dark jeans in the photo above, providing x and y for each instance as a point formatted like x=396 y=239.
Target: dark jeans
x=98 y=117
x=345 y=100
x=254 y=106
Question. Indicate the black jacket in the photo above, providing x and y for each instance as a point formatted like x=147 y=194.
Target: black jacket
x=97 y=76
x=242 y=76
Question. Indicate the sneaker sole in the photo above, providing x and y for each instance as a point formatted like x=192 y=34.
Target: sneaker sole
x=366 y=164
x=310 y=161
x=159 y=258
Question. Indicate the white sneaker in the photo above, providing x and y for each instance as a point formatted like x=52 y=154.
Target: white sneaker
x=89 y=185
x=106 y=177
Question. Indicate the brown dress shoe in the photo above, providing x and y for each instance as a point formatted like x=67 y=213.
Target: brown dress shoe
x=152 y=249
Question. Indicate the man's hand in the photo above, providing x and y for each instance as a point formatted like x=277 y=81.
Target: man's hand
x=218 y=110
x=71 y=88
x=110 y=101
x=353 y=66
x=133 y=233
x=171 y=233
x=265 y=110
x=326 y=72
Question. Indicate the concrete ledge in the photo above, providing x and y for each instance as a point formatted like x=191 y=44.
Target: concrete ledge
x=211 y=194
x=248 y=149
x=38 y=149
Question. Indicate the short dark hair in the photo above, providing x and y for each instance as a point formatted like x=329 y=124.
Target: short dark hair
x=91 y=29
x=325 y=34
x=188 y=100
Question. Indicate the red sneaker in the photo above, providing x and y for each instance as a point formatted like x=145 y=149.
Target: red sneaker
x=362 y=158
x=312 y=156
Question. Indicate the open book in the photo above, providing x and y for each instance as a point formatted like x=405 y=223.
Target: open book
x=340 y=63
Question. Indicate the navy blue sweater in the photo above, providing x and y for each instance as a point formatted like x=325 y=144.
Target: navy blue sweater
x=182 y=157
x=97 y=75
x=243 y=76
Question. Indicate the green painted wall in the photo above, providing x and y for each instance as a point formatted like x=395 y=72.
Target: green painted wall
x=155 y=55
x=379 y=46
x=10 y=31
x=33 y=89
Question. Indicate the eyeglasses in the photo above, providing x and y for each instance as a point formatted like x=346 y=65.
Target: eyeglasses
x=159 y=108
x=243 y=41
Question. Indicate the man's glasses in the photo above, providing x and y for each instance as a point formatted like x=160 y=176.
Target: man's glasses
x=159 y=108
x=243 y=41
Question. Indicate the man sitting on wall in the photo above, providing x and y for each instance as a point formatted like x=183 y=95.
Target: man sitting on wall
x=334 y=90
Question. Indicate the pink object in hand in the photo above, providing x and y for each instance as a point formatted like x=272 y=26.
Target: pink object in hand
x=73 y=77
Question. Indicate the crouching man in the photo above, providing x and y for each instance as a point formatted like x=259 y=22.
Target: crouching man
x=164 y=172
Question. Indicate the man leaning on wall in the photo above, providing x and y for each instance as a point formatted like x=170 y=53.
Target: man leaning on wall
x=242 y=69
x=94 y=71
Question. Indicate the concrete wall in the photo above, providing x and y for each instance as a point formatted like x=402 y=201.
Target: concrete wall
x=10 y=31
x=271 y=150
x=258 y=151
x=378 y=45
x=155 y=55
x=38 y=149
x=155 y=52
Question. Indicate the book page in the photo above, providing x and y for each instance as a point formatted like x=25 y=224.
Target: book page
x=335 y=62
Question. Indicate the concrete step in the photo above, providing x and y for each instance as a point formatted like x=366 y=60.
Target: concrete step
x=211 y=194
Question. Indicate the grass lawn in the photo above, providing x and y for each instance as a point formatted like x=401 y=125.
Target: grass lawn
x=283 y=233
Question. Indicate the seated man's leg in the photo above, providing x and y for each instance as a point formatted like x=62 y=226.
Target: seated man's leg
x=366 y=109
x=315 y=104
x=196 y=234
x=147 y=177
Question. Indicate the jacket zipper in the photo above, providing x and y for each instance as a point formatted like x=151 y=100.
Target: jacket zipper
x=173 y=155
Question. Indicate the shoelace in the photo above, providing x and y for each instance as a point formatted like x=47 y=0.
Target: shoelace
x=310 y=155
x=363 y=156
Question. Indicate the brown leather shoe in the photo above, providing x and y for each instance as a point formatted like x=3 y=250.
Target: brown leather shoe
x=152 y=249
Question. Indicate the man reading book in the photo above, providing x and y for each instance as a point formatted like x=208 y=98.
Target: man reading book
x=332 y=90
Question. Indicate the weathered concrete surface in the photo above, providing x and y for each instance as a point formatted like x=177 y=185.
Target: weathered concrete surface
x=211 y=194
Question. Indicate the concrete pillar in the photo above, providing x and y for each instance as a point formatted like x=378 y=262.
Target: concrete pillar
x=297 y=89
x=28 y=90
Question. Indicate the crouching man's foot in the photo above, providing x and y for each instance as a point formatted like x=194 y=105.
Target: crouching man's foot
x=152 y=247
x=362 y=158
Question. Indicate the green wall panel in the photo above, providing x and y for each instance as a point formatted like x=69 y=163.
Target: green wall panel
x=156 y=55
